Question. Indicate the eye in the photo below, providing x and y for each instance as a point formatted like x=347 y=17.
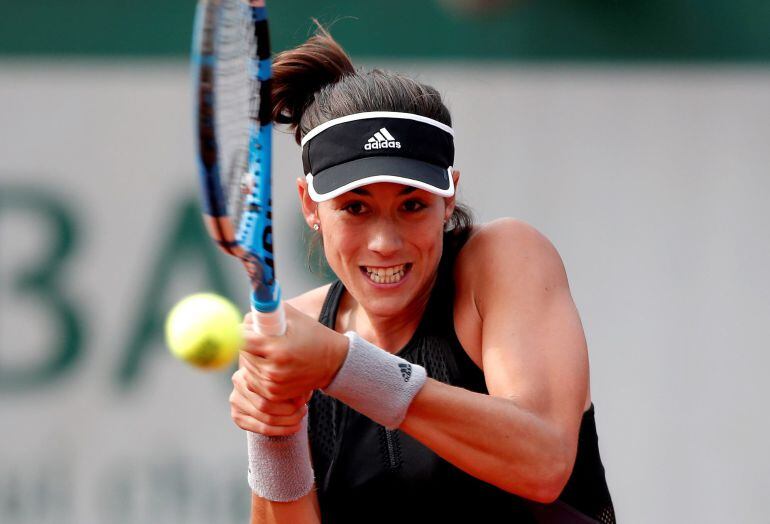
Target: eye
x=413 y=205
x=355 y=207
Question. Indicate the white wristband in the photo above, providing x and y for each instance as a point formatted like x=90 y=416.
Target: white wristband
x=279 y=467
x=376 y=383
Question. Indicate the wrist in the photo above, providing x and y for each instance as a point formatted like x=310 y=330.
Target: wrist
x=280 y=468
x=337 y=353
x=375 y=383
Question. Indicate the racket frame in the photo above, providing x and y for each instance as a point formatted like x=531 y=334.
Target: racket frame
x=251 y=241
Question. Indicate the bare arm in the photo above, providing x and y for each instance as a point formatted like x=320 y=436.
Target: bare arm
x=253 y=413
x=523 y=436
x=305 y=510
x=302 y=511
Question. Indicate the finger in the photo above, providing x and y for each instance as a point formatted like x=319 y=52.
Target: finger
x=253 y=365
x=265 y=372
x=251 y=362
x=280 y=421
x=248 y=381
x=251 y=387
x=252 y=384
x=306 y=398
x=241 y=406
x=255 y=426
x=260 y=403
x=266 y=383
x=254 y=343
x=302 y=399
x=258 y=381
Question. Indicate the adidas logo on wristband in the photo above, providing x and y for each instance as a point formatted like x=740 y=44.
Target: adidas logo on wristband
x=406 y=371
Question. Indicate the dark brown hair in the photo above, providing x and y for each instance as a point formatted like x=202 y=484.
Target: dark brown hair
x=317 y=82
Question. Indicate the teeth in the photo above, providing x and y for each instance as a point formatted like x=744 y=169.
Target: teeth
x=389 y=275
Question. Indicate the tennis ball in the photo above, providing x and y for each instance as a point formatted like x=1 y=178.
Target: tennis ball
x=205 y=330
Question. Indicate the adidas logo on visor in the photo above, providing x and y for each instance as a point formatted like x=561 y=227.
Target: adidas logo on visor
x=382 y=140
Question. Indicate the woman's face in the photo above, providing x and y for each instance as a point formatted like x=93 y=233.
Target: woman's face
x=384 y=242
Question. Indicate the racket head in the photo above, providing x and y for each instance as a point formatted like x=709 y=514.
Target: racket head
x=231 y=64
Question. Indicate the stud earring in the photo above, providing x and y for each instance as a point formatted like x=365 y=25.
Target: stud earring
x=316 y=226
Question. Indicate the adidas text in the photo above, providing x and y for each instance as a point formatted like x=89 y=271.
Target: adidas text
x=406 y=371
x=385 y=144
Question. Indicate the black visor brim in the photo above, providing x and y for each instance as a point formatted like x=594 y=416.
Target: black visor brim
x=340 y=178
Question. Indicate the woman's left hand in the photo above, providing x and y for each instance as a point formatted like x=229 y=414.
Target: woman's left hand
x=305 y=358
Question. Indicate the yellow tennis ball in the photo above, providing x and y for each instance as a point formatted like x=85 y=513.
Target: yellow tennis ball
x=205 y=330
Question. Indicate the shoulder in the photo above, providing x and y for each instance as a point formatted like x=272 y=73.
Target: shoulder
x=507 y=241
x=507 y=254
x=311 y=302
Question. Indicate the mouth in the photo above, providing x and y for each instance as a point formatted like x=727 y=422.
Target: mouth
x=386 y=275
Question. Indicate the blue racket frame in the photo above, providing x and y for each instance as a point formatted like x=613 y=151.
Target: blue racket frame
x=252 y=241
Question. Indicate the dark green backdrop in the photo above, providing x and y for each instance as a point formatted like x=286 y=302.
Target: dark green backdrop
x=665 y=30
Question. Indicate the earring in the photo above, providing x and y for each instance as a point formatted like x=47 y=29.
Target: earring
x=316 y=226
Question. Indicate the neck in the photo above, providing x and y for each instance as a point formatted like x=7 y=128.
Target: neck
x=390 y=333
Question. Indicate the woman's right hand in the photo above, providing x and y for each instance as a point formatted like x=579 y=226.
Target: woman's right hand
x=254 y=413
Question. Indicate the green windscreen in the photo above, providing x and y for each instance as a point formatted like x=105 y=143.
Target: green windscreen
x=662 y=30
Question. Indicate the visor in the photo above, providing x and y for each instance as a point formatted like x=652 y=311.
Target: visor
x=367 y=148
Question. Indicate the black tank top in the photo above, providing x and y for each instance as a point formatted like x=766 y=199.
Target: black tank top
x=365 y=473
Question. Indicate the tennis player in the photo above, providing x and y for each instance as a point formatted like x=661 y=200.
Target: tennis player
x=446 y=372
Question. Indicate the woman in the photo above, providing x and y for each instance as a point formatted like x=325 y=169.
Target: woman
x=447 y=366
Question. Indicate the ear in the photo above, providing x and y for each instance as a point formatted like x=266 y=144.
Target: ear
x=450 y=201
x=309 y=207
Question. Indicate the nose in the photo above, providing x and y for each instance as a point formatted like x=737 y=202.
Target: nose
x=385 y=238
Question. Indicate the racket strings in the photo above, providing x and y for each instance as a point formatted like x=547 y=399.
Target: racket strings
x=237 y=95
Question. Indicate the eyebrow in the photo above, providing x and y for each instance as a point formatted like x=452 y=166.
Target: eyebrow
x=363 y=192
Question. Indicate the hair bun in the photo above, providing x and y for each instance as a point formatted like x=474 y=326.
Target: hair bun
x=301 y=72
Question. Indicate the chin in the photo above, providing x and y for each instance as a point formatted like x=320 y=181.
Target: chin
x=384 y=306
x=387 y=300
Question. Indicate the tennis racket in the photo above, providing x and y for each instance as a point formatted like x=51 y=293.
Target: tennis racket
x=232 y=69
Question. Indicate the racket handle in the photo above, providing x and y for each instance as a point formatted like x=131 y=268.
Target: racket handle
x=272 y=324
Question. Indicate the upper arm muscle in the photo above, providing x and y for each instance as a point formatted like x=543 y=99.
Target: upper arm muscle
x=533 y=349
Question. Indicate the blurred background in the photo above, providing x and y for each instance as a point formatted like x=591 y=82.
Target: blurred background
x=633 y=134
